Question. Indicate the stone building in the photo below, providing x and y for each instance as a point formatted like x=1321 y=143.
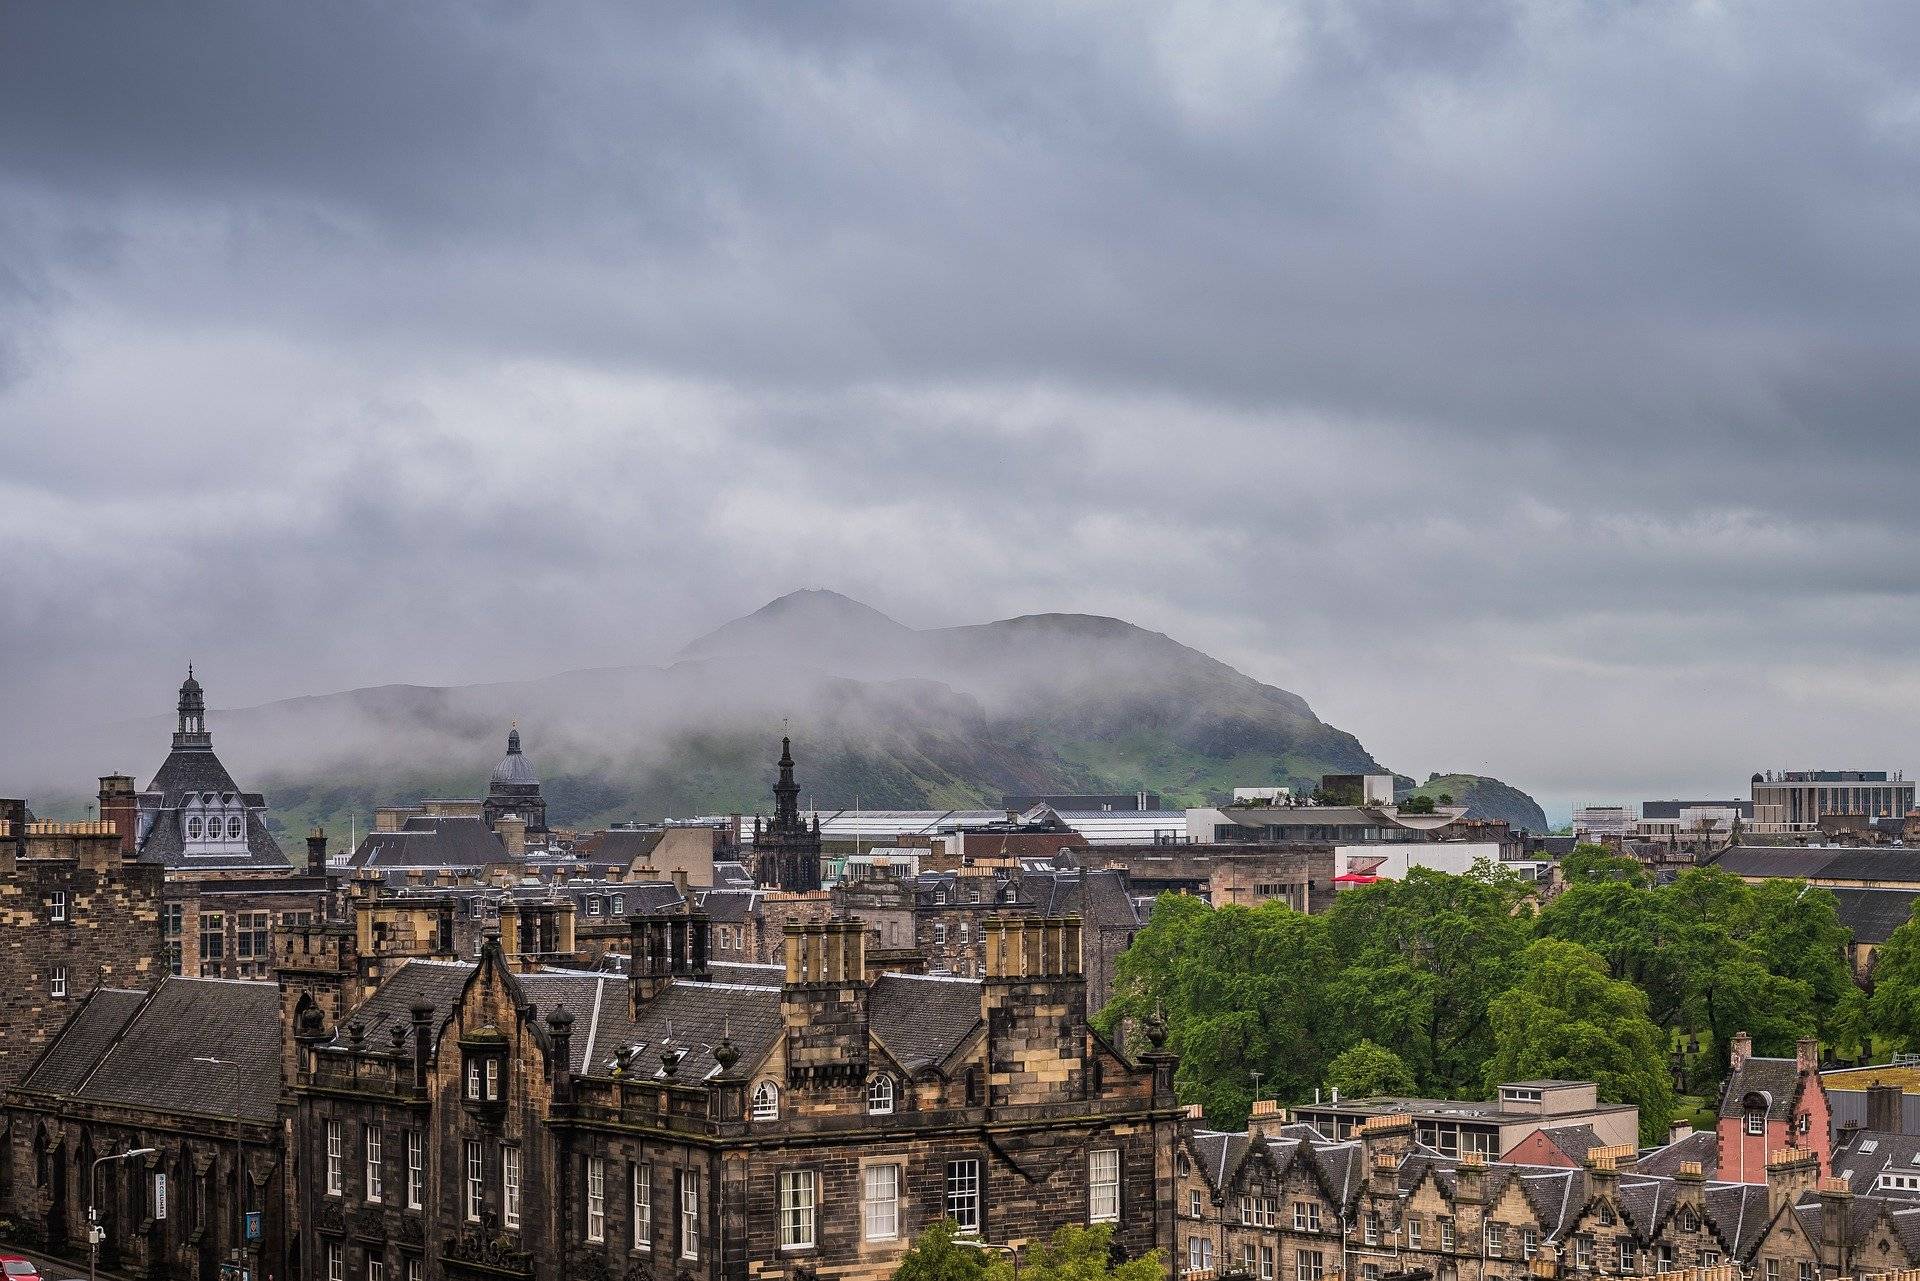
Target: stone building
x=704 y=1119
x=1282 y=1201
x=514 y=790
x=193 y=815
x=191 y=1069
x=1769 y=1106
x=223 y=924
x=786 y=849
x=75 y=913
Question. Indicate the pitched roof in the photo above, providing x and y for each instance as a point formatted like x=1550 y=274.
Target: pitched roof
x=155 y=1059
x=1573 y=1141
x=922 y=1019
x=1873 y=915
x=1867 y=1154
x=1775 y=1080
x=1702 y=1146
x=430 y=840
x=165 y=844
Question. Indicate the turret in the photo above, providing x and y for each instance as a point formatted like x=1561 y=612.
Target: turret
x=192 y=708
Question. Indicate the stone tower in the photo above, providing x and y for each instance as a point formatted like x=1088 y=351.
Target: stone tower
x=786 y=852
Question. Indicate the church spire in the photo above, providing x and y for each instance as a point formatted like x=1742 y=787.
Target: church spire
x=786 y=814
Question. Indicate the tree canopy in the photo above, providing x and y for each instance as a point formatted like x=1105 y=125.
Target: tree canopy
x=1438 y=984
x=940 y=1253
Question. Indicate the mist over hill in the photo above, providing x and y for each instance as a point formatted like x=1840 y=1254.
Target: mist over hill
x=882 y=715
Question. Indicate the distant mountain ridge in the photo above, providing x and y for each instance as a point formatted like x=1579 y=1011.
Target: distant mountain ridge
x=883 y=716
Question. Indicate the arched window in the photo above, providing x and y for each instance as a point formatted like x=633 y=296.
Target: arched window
x=193 y=829
x=766 y=1101
x=234 y=828
x=880 y=1094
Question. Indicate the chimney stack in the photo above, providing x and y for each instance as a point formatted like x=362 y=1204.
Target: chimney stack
x=119 y=806
x=1885 y=1108
x=1742 y=1051
x=317 y=851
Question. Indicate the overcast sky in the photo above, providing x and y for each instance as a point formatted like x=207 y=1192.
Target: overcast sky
x=1530 y=386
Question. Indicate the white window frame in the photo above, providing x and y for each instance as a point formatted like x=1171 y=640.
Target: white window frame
x=336 y=1159
x=1266 y=1263
x=880 y=1095
x=640 y=1194
x=371 y=1148
x=336 y=1261
x=880 y=1203
x=1199 y=1254
x=596 y=1199
x=1103 y=1186
x=1413 y=1233
x=476 y=1181
x=1756 y=1124
x=57 y=907
x=766 y=1101
x=798 y=1204
x=1309 y=1265
x=690 y=1215
x=963 y=1193
x=376 y=1267
x=509 y=1185
x=57 y=984
x=416 y=1169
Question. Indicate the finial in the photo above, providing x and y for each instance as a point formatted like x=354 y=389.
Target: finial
x=1157 y=1027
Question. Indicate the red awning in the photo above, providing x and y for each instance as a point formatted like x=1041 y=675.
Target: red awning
x=1355 y=878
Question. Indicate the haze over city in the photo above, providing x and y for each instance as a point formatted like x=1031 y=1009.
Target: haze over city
x=1529 y=387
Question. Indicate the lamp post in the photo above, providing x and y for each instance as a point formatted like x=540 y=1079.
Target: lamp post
x=1011 y=1251
x=239 y=1165
x=94 y=1232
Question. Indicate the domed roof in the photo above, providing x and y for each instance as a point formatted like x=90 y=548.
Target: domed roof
x=514 y=767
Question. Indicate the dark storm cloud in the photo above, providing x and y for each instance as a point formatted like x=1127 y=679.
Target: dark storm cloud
x=1518 y=381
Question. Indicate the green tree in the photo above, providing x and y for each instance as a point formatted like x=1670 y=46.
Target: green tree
x=1590 y=864
x=935 y=1256
x=1893 y=1011
x=1244 y=991
x=1419 y=959
x=1364 y=1070
x=1077 y=1254
x=1565 y=1018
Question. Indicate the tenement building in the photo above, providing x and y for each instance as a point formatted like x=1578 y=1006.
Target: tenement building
x=1282 y=1202
x=694 y=1119
x=75 y=912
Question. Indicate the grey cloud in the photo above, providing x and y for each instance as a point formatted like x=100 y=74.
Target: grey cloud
x=1382 y=345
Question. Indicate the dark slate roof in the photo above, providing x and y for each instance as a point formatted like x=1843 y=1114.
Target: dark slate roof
x=1574 y=1141
x=1556 y=1196
x=151 y=1063
x=731 y=875
x=1218 y=1153
x=922 y=1019
x=728 y=906
x=438 y=983
x=86 y=1037
x=1866 y=1154
x=1776 y=1079
x=1739 y=1210
x=688 y=1016
x=1864 y=1214
x=165 y=844
x=1702 y=1146
x=1873 y=915
x=432 y=841
x=1833 y=862
x=190 y=769
x=1643 y=1201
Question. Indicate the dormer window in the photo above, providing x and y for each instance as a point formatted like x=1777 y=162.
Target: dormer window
x=486 y=1070
x=619 y=905
x=234 y=828
x=193 y=829
x=880 y=1095
x=1756 y=1123
x=766 y=1101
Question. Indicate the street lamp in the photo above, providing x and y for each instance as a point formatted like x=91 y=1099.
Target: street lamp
x=94 y=1231
x=239 y=1163
x=1011 y=1251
